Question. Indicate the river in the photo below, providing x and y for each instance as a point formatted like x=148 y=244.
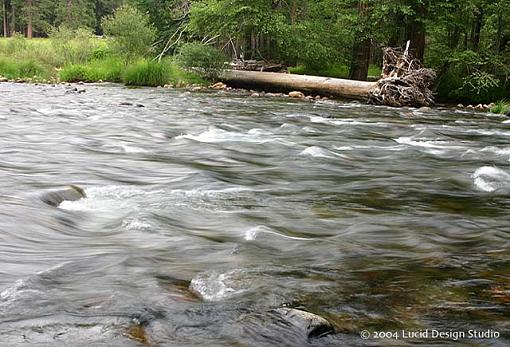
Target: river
x=207 y=211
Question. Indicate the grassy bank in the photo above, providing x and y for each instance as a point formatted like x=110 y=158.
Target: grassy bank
x=501 y=107
x=84 y=59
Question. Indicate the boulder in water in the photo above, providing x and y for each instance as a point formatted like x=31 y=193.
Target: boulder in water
x=297 y=94
x=57 y=196
x=219 y=86
x=311 y=324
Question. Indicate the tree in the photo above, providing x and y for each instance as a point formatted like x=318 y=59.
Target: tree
x=130 y=32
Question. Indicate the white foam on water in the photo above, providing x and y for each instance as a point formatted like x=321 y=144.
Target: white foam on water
x=496 y=150
x=490 y=178
x=214 y=286
x=433 y=146
x=421 y=143
x=317 y=152
x=24 y=286
x=215 y=135
x=354 y=147
x=132 y=149
x=252 y=234
x=347 y=121
x=136 y=224
x=107 y=198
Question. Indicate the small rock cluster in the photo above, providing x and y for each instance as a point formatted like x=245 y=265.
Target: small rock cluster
x=479 y=107
x=294 y=94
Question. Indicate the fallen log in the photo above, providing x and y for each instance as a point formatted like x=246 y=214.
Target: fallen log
x=325 y=86
x=404 y=82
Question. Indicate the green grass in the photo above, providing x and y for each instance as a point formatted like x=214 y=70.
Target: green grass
x=150 y=73
x=338 y=71
x=108 y=69
x=146 y=73
x=502 y=107
x=23 y=69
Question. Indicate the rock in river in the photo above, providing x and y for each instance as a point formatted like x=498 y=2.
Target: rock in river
x=296 y=94
x=311 y=324
x=69 y=193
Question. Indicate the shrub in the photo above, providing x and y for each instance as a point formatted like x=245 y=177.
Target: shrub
x=75 y=73
x=100 y=52
x=501 y=107
x=130 y=32
x=145 y=73
x=204 y=57
x=17 y=43
x=72 y=45
x=13 y=68
x=180 y=77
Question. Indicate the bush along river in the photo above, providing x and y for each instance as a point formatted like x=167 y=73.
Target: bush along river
x=218 y=219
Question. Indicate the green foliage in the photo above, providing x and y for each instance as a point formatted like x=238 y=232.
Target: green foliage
x=197 y=55
x=179 y=77
x=72 y=45
x=109 y=69
x=146 y=73
x=130 y=33
x=501 y=107
x=479 y=82
x=13 y=69
x=17 y=43
x=150 y=73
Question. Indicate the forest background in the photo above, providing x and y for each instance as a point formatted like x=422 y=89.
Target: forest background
x=467 y=42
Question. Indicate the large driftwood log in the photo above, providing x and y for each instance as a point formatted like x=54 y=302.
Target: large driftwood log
x=315 y=85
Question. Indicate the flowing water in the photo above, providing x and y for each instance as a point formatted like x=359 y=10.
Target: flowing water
x=205 y=212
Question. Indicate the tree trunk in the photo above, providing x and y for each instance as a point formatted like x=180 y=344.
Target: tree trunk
x=29 y=18
x=309 y=84
x=416 y=32
x=69 y=11
x=361 y=48
x=360 y=60
x=477 y=28
x=293 y=12
x=13 y=19
x=5 y=21
x=499 y=34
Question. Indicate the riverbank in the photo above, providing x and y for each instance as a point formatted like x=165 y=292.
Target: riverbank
x=225 y=90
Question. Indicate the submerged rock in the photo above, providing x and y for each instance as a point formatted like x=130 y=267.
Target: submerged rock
x=311 y=324
x=69 y=193
x=137 y=333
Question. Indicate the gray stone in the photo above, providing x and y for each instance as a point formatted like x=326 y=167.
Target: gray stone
x=69 y=193
x=297 y=94
x=310 y=324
